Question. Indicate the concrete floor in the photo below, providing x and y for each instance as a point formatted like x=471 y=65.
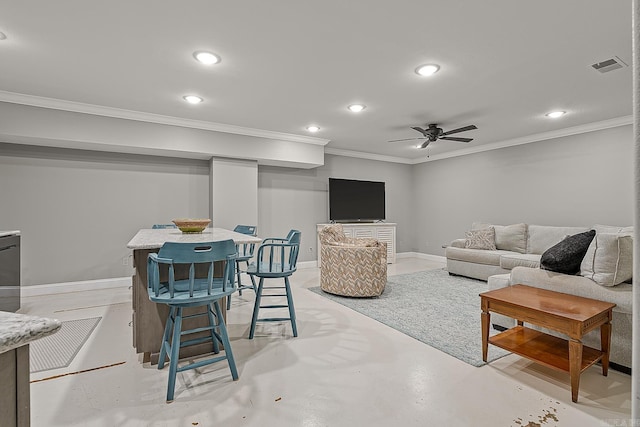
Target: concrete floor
x=344 y=369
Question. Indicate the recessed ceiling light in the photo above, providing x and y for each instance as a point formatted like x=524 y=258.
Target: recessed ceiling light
x=427 y=70
x=207 y=58
x=313 y=128
x=193 y=99
x=555 y=114
x=356 y=108
x=3 y=36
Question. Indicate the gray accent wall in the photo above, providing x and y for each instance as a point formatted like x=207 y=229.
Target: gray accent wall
x=299 y=198
x=78 y=209
x=577 y=180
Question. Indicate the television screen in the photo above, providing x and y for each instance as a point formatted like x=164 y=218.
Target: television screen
x=353 y=200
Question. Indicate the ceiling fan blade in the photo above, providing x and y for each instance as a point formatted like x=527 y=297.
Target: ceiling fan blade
x=425 y=144
x=422 y=131
x=449 y=138
x=406 y=139
x=470 y=127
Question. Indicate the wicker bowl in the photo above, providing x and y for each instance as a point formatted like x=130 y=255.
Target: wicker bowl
x=189 y=225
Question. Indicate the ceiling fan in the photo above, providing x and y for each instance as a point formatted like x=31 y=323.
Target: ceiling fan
x=433 y=133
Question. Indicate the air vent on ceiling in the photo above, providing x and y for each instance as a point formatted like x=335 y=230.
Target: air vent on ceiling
x=609 y=65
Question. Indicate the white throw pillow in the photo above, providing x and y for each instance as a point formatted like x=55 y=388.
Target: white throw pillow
x=609 y=259
x=481 y=239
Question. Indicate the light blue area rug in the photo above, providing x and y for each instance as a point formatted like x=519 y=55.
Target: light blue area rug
x=58 y=350
x=431 y=306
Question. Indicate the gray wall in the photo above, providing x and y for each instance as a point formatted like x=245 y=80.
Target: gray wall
x=78 y=209
x=577 y=180
x=296 y=198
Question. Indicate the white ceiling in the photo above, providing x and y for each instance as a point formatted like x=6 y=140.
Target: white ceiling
x=287 y=64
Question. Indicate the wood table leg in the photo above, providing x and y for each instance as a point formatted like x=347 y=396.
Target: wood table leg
x=485 y=320
x=575 y=363
x=605 y=346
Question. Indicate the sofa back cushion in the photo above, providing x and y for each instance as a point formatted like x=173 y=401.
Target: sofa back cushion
x=614 y=229
x=542 y=237
x=508 y=237
x=609 y=259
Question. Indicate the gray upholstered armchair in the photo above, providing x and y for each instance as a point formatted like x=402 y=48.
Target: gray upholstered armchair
x=351 y=266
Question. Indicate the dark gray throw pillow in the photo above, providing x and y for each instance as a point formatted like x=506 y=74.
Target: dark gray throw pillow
x=566 y=256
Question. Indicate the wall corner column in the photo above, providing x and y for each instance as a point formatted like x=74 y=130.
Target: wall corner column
x=234 y=192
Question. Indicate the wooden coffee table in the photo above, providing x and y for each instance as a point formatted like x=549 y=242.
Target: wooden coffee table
x=568 y=314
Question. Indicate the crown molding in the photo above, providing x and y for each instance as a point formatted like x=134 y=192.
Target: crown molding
x=367 y=156
x=98 y=110
x=559 y=133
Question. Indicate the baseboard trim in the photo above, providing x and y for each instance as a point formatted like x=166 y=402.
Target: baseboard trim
x=84 y=285
x=420 y=255
x=307 y=264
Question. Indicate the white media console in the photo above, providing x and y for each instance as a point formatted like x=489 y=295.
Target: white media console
x=383 y=231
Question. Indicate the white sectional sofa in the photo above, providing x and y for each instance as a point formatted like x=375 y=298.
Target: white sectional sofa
x=517 y=245
x=511 y=263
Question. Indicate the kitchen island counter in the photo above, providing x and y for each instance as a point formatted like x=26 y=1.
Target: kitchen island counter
x=16 y=332
x=149 y=318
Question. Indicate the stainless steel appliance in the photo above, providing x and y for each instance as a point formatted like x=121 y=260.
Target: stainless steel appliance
x=10 y=273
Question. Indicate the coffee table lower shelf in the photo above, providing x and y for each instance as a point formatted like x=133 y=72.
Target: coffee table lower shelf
x=542 y=348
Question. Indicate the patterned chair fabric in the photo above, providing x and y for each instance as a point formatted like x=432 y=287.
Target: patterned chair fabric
x=350 y=266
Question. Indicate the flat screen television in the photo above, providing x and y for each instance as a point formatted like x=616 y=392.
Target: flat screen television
x=354 y=200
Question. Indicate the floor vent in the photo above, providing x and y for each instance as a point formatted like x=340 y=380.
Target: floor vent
x=609 y=65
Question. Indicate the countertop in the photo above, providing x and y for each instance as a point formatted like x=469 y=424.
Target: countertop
x=9 y=233
x=148 y=238
x=17 y=330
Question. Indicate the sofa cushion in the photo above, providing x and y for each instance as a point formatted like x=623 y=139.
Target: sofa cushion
x=566 y=256
x=620 y=295
x=542 y=237
x=355 y=243
x=614 y=229
x=477 y=256
x=609 y=259
x=481 y=239
x=510 y=261
x=508 y=237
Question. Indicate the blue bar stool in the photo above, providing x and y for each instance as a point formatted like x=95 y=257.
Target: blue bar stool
x=245 y=253
x=276 y=258
x=192 y=292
